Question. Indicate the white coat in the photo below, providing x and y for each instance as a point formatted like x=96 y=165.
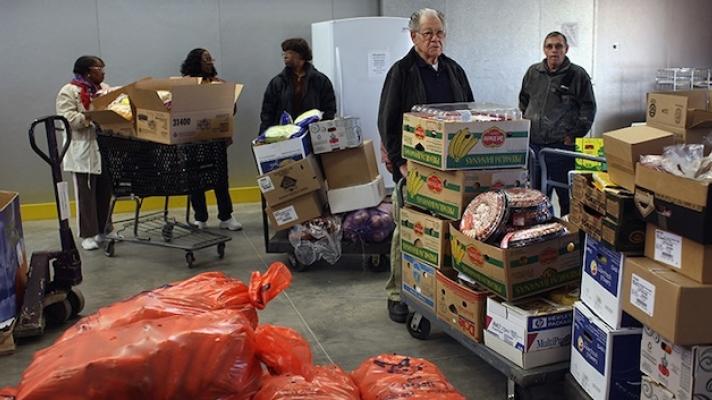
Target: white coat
x=83 y=153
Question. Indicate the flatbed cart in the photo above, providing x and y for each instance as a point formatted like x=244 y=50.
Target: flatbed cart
x=421 y=320
x=141 y=169
x=376 y=256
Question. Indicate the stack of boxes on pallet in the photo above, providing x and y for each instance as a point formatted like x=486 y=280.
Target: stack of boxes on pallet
x=451 y=162
x=667 y=220
x=328 y=165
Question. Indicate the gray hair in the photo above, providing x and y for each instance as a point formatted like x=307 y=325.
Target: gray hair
x=416 y=17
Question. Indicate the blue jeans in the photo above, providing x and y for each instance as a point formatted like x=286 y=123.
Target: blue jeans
x=558 y=168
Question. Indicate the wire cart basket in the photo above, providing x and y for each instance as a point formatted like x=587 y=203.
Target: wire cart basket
x=141 y=169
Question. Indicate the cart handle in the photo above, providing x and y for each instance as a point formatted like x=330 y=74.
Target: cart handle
x=51 y=130
x=566 y=153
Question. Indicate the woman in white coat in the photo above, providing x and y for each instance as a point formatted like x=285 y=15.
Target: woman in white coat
x=92 y=185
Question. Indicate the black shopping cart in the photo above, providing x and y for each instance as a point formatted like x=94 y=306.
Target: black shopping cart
x=141 y=169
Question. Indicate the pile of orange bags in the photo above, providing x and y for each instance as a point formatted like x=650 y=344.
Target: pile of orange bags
x=200 y=339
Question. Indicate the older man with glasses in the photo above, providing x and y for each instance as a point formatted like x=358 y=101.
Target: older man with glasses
x=557 y=97
x=424 y=76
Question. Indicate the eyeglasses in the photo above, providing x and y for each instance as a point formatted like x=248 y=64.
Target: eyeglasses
x=429 y=34
x=557 y=46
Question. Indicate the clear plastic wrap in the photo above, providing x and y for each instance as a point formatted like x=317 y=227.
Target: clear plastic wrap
x=466 y=112
x=685 y=160
x=370 y=225
x=317 y=239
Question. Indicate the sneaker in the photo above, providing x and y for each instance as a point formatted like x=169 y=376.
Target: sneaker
x=231 y=224
x=397 y=311
x=200 y=224
x=90 y=244
x=100 y=238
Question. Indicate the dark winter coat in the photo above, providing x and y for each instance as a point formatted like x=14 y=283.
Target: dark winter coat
x=318 y=93
x=559 y=103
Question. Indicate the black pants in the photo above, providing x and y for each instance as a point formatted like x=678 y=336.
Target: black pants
x=93 y=199
x=222 y=195
x=558 y=168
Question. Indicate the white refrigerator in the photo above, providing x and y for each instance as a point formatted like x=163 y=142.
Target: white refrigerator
x=356 y=53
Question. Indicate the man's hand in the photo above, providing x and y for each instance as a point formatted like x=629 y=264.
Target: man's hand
x=568 y=140
x=404 y=169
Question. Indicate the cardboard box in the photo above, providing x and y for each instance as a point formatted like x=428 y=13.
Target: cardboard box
x=624 y=147
x=350 y=167
x=419 y=280
x=425 y=237
x=197 y=111
x=604 y=361
x=460 y=306
x=687 y=114
x=615 y=203
x=679 y=205
x=602 y=284
x=627 y=236
x=13 y=259
x=591 y=147
x=448 y=145
x=651 y=390
x=336 y=134
x=274 y=155
x=692 y=259
x=666 y=301
x=291 y=181
x=357 y=197
x=111 y=121
x=519 y=272
x=447 y=193
x=684 y=371
x=296 y=211
x=536 y=325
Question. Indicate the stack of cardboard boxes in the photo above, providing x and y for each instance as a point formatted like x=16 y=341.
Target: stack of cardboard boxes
x=667 y=289
x=328 y=165
x=450 y=162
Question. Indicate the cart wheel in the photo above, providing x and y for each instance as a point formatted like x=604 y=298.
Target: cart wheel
x=109 y=250
x=296 y=265
x=58 y=313
x=221 y=250
x=189 y=259
x=418 y=326
x=167 y=232
x=378 y=263
x=76 y=300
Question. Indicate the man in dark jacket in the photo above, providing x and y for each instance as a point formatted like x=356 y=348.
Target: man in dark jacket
x=298 y=88
x=557 y=97
x=424 y=76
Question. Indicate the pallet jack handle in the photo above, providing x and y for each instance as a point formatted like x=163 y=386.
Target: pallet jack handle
x=68 y=260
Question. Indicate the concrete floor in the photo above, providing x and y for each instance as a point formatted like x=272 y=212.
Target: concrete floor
x=340 y=309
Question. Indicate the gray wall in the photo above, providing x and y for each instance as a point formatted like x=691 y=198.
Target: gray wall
x=41 y=40
x=495 y=41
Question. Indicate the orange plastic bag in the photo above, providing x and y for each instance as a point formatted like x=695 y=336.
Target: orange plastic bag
x=204 y=292
x=283 y=350
x=207 y=356
x=398 y=377
x=326 y=383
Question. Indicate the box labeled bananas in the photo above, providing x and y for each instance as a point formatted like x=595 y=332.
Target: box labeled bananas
x=447 y=193
x=454 y=145
x=425 y=237
x=515 y=273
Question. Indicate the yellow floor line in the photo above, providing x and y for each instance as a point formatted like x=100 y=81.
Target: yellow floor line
x=40 y=211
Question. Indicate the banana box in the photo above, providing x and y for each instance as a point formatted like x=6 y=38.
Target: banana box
x=516 y=273
x=425 y=237
x=453 y=145
x=447 y=193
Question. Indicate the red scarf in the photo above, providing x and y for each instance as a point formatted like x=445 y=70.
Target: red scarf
x=88 y=89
